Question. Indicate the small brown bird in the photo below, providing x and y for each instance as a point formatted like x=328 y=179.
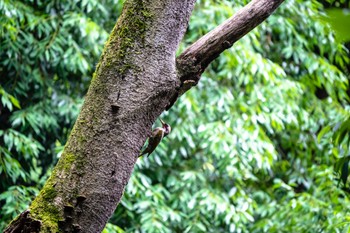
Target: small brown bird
x=157 y=135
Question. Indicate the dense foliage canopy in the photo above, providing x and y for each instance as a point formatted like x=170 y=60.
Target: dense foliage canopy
x=260 y=145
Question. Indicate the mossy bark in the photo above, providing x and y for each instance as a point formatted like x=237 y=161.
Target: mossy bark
x=131 y=87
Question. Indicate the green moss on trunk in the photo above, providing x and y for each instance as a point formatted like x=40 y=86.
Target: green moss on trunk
x=129 y=31
x=44 y=209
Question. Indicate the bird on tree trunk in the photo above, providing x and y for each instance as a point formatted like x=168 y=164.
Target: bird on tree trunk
x=157 y=135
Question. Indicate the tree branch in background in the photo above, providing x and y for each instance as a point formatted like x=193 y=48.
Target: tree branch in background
x=193 y=61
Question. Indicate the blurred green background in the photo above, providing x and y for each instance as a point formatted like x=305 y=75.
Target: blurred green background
x=260 y=145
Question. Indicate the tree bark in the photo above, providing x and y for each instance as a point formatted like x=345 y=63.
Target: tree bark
x=135 y=81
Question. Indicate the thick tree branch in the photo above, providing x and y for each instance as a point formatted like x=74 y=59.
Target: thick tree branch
x=193 y=61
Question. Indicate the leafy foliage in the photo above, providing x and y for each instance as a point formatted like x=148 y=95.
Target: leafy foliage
x=254 y=148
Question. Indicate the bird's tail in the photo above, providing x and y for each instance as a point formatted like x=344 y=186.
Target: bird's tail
x=143 y=152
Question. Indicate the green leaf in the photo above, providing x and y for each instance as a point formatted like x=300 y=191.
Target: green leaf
x=323 y=132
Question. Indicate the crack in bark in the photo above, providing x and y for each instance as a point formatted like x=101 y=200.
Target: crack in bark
x=24 y=223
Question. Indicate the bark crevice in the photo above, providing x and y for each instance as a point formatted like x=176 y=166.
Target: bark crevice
x=24 y=223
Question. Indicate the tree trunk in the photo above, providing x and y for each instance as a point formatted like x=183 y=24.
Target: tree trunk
x=135 y=81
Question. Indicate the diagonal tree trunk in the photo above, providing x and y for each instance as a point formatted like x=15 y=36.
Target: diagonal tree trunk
x=136 y=79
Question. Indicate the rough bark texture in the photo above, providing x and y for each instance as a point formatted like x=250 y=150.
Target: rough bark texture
x=134 y=82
